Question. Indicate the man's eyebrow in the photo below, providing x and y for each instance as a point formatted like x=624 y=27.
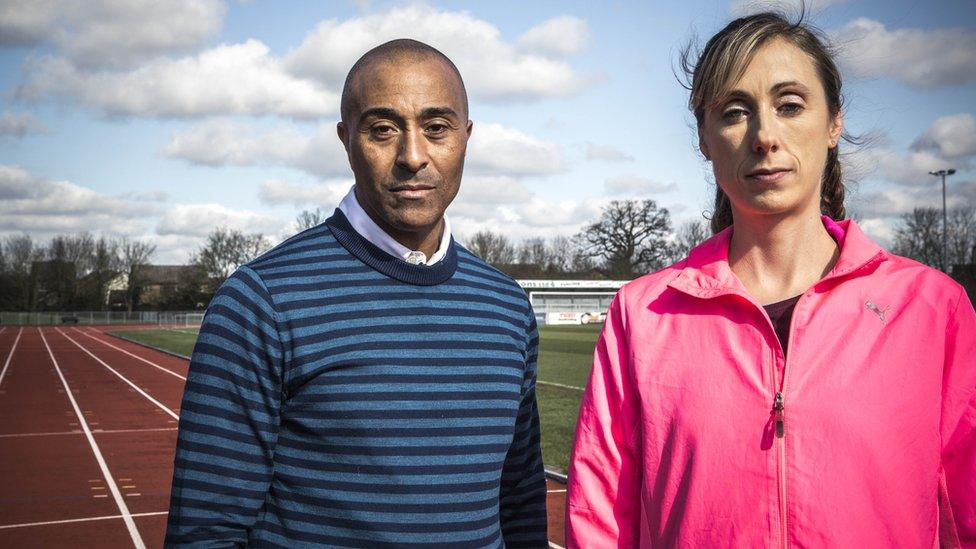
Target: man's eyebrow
x=379 y=112
x=431 y=112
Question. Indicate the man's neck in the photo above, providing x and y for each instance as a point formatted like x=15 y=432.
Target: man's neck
x=776 y=258
x=426 y=240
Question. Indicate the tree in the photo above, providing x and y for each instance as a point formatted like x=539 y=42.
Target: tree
x=105 y=265
x=629 y=238
x=133 y=256
x=690 y=234
x=20 y=254
x=308 y=219
x=919 y=236
x=227 y=249
x=961 y=236
x=491 y=247
x=536 y=251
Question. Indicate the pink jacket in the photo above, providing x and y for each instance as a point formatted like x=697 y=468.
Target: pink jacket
x=681 y=441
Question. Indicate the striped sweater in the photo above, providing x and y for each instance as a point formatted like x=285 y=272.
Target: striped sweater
x=339 y=396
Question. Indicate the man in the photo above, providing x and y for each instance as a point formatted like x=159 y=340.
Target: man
x=369 y=382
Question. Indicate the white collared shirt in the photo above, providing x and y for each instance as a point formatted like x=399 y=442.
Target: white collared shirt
x=368 y=229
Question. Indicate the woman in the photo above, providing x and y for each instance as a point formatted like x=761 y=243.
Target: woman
x=789 y=382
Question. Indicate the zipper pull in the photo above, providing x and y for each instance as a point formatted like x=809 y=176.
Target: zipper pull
x=778 y=408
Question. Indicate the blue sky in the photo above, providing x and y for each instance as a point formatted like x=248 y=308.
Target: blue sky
x=126 y=119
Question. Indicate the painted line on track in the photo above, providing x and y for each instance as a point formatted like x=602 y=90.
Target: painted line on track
x=87 y=519
x=135 y=356
x=99 y=431
x=10 y=355
x=122 y=377
x=539 y=382
x=123 y=508
x=554 y=546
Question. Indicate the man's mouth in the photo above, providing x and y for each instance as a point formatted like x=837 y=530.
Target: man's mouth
x=413 y=190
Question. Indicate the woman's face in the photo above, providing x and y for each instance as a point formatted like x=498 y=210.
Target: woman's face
x=768 y=138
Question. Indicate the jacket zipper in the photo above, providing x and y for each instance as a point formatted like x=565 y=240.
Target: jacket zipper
x=779 y=408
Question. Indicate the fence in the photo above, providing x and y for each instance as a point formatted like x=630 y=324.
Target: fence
x=177 y=318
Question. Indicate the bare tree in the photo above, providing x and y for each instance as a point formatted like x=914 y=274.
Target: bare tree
x=690 y=234
x=308 y=219
x=629 y=238
x=20 y=254
x=919 y=236
x=133 y=256
x=961 y=236
x=227 y=249
x=105 y=265
x=491 y=247
x=536 y=251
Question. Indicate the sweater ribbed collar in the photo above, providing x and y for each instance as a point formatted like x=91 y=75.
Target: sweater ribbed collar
x=394 y=267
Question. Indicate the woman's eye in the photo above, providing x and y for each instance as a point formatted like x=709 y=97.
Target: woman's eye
x=791 y=108
x=734 y=114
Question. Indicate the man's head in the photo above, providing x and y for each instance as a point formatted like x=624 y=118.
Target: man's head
x=405 y=129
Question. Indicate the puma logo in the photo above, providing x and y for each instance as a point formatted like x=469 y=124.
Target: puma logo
x=878 y=311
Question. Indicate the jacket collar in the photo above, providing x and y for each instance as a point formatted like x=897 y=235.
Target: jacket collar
x=706 y=272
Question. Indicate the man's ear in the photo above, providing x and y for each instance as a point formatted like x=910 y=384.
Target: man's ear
x=343 y=133
x=469 y=128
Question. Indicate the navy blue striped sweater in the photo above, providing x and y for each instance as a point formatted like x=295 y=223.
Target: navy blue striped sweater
x=339 y=396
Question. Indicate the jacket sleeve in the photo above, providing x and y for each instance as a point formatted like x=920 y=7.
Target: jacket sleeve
x=522 y=498
x=603 y=505
x=228 y=419
x=959 y=422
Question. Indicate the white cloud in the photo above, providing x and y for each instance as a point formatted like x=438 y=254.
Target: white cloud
x=229 y=79
x=560 y=36
x=492 y=190
x=19 y=124
x=921 y=58
x=111 y=33
x=606 y=153
x=636 y=186
x=30 y=203
x=324 y=195
x=200 y=219
x=226 y=143
x=906 y=169
x=950 y=136
x=496 y=149
x=493 y=69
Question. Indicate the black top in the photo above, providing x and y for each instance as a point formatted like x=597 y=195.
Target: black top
x=781 y=313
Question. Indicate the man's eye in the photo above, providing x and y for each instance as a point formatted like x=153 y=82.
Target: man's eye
x=437 y=128
x=383 y=131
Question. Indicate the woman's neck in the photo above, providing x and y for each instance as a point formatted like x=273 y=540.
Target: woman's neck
x=777 y=258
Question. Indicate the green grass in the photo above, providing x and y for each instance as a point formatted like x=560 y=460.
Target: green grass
x=565 y=354
x=178 y=340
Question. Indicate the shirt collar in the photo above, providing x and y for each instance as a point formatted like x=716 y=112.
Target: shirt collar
x=368 y=229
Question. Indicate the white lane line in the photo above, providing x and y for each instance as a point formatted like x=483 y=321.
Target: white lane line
x=123 y=508
x=69 y=521
x=9 y=356
x=149 y=362
x=4 y=329
x=122 y=377
x=554 y=546
x=563 y=491
x=99 y=431
x=539 y=382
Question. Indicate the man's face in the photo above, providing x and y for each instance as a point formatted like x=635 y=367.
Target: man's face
x=405 y=136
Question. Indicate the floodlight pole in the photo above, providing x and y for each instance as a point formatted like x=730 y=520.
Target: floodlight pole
x=943 y=174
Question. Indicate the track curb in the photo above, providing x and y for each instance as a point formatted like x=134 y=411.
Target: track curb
x=148 y=346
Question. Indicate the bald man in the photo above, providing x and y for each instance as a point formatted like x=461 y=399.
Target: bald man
x=369 y=382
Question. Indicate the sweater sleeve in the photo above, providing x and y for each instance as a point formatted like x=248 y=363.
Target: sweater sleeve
x=522 y=498
x=959 y=423
x=603 y=505
x=228 y=419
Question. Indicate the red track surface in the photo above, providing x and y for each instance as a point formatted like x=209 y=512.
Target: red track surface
x=96 y=471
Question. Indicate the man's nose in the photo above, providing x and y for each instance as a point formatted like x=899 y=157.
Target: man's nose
x=412 y=153
x=766 y=133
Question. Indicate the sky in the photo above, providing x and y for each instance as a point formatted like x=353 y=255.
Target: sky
x=160 y=121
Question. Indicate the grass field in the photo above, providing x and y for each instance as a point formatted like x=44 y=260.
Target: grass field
x=565 y=353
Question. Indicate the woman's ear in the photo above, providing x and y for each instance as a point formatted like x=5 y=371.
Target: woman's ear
x=836 y=129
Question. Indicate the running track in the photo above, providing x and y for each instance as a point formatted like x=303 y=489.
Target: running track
x=87 y=436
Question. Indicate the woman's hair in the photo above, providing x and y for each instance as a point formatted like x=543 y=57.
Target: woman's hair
x=723 y=61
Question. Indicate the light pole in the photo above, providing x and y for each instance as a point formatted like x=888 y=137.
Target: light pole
x=943 y=174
